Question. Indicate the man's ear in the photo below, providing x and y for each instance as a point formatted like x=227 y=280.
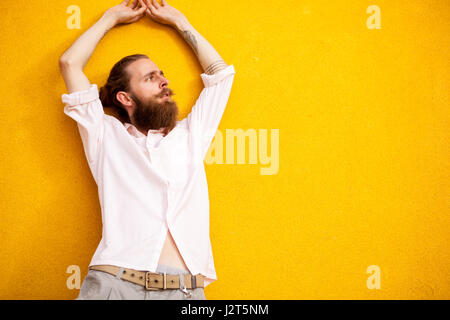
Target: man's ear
x=125 y=99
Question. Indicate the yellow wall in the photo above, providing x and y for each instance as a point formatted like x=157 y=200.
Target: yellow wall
x=363 y=125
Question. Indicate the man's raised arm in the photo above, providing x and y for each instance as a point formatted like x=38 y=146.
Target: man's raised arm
x=208 y=57
x=73 y=60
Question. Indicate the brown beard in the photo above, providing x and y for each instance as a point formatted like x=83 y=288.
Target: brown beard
x=155 y=115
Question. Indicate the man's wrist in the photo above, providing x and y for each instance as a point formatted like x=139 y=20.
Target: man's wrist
x=109 y=20
x=181 y=24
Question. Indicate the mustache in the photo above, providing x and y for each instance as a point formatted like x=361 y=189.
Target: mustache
x=166 y=91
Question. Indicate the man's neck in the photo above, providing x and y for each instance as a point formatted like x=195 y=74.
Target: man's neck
x=142 y=131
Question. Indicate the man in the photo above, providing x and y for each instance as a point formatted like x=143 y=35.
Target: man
x=148 y=166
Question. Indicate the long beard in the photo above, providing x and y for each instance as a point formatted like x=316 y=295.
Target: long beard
x=155 y=115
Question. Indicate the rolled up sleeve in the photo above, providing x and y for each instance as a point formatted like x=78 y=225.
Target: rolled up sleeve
x=86 y=109
x=207 y=111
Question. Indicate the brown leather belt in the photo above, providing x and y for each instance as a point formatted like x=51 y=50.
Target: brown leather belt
x=154 y=280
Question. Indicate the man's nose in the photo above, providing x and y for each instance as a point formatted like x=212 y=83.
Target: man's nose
x=163 y=82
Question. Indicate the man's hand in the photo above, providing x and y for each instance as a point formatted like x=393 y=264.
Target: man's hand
x=163 y=13
x=123 y=14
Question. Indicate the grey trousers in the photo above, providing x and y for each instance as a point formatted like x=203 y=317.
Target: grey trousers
x=99 y=285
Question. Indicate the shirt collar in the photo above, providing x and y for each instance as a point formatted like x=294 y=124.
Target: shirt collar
x=135 y=132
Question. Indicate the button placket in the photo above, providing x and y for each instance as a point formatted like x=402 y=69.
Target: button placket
x=149 y=149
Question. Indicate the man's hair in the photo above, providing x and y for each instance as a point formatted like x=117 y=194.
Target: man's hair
x=118 y=80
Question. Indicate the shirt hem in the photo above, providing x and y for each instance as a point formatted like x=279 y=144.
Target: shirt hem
x=123 y=265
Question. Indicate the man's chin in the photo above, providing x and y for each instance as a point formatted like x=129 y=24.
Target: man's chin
x=165 y=108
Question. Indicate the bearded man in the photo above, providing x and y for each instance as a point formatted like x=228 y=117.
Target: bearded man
x=148 y=165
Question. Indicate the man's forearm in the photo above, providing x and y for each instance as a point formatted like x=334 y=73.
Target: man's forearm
x=208 y=57
x=81 y=50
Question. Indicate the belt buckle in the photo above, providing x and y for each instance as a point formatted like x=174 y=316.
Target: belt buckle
x=147 y=280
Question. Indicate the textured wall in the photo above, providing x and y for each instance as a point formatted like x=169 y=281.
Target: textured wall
x=363 y=119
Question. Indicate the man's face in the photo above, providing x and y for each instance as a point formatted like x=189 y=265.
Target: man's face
x=153 y=104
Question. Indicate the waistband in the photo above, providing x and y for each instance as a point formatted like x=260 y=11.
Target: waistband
x=165 y=277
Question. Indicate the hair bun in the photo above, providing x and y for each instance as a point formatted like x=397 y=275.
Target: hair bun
x=104 y=96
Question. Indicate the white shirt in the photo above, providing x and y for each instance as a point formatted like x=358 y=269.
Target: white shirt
x=147 y=184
